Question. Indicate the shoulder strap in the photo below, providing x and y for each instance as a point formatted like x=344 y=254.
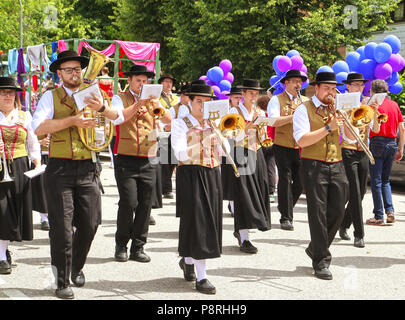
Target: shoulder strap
x=188 y=122
x=166 y=100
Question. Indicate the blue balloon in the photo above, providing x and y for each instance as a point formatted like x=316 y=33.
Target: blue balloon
x=340 y=66
x=353 y=60
x=278 y=91
x=325 y=69
x=367 y=68
x=382 y=52
x=274 y=79
x=292 y=53
x=215 y=74
x=225 y=85
x=396 y=88
x=369 y=49
x=362 y=53
x=393 y=79
x=305 y=84
x=394 y=42
x=275 y=63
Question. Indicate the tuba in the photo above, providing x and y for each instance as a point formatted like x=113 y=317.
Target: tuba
x=91 y=137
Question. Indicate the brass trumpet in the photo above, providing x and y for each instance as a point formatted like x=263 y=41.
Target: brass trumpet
x=155 y=112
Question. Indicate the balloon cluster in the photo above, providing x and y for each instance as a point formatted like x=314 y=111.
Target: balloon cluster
x=220 y=78
x=374 y=61
x=282 y=64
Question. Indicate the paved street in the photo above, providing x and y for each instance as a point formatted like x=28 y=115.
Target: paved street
x=280 y=270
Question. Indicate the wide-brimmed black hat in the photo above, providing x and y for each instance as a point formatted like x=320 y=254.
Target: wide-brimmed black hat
x=354 y=77
x=251 y=84
x=167 y=76
x=198 y=82
x=9 y=83
x=184 y=88
x=68 y=55
x=138 y=69
x=201 y=90
x=325 y=77
x=293 y=74
x=235 y=90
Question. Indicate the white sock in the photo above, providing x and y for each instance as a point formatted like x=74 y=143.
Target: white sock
x=44 y=217
x=232 y=207
x=244 y=234
x=200 y=269
x=3 y=248
x=189 y=260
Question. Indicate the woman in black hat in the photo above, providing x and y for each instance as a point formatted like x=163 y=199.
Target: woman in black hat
x=251 y=190
x=18 y=141
x=199 y=191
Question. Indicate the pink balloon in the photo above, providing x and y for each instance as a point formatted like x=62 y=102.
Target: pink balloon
x=296 y=63
x=383 y=71
x=304 y=68
x=284 y=64
x=203 y=78
x=225 y=65
x=229 y=76
x=216 y=90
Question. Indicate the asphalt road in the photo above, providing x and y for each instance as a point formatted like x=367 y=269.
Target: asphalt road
x=280 y=270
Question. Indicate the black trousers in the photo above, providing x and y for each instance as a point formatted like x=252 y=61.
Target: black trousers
x=356 y=167
x=168 y=162
x=270 y=159
x=73 y=199
x=135 y=177
x=326 y=190
x=289 y=187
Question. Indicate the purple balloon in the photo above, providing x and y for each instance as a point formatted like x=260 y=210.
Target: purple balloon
x=395 y=62
x=402 y=62
x=304 y=68
x=216 y=90
x=296 y=62
x=229 y=76
x=225 y=65
x=383 y=71
x=284 y=64
x=366 y=90
x=203 y=78
x=223 y=95
x=210 y=83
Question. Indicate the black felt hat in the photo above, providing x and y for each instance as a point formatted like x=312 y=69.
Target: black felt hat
x=167 y=76
x=201 y=90
x=251 y=84
x=354 y=77
x=293 y=74
x=235 y=90
x=68 y=55
x=9 y=83
x=325 y=77
x=138 y=69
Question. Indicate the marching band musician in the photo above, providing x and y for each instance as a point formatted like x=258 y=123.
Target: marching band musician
x=18 y=142
x=317 y=131
x=134 y=165
x=356 y=162
x=199 y=189
x=282 y=106
x=251 y=191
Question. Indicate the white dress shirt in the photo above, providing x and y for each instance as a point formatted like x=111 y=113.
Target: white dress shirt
x=33 y=146
x=273 y=107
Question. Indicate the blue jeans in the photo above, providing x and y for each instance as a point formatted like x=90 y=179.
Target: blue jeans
x=383 y=150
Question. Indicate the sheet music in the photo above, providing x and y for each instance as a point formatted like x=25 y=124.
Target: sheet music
x=148 y=90
x=345 y=101
x=377 y=97
x=35 y=172
x=268 y=121
x=84 y=93
x=215 y=110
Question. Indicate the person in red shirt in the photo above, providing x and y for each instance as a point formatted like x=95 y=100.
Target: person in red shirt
x=385 y=150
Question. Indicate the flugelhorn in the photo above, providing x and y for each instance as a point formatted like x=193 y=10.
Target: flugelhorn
x=155 y=112
x=88 y=135
x=6 y=176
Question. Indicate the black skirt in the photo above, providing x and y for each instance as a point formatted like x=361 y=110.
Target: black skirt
x=251 y=191
x=16 y=204
x=228 y=179
x=38 y=190
x=157 y=189
x=199 y=206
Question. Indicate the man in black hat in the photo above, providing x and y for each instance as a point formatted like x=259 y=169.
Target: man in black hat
x=356 y=163
x=317 y=130
x=235 y=96
x=251 y=190
x=282 y=106
x=134 y=165
x=72 y=191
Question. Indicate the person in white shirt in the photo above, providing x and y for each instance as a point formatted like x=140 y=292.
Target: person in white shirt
x=251 y=189
x=318 y=130
x=18 y=144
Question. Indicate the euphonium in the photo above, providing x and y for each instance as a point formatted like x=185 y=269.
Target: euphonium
x=231 y=125
x=88 y=136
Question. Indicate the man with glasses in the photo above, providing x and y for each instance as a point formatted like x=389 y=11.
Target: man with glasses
x=282 y=106
x=71 y=188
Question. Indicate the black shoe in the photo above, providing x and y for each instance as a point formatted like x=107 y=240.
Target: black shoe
x=343 y=234
x=323 y=274
x=204 y=286
x=139 y=256
x=309 y=253
x=286 y=225
x=237 y=236
x=45 y=225
x=121 y=254
x=359 y=242
x=248 y=247
x=168 y=195
x=188 y=270
x=5 y=267
x=152 y=221
x=9 y=260
x=65 y=293
x=78 y=278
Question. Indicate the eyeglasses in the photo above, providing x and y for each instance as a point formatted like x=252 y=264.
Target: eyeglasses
x=7 y=93
x=357 y=85
x=70 y=70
